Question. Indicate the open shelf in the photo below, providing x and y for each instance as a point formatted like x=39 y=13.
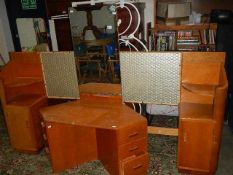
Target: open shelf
x=198 y=94
x=196 y=111
x=24 y=81
x=199 y=37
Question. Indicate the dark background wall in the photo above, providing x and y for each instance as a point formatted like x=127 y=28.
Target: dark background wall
x=14 y=10
x=205 y=6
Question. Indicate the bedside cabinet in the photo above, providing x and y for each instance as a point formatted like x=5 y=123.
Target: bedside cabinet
x=203 y=92
x=23 y=122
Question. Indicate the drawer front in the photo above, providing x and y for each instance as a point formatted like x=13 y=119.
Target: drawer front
x=133 y=148
x=136 y=166
x=132 y=133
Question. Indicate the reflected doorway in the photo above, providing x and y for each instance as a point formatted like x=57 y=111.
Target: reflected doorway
x=32 y=34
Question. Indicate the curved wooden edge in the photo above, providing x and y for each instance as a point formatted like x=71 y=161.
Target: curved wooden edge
x=162 y=131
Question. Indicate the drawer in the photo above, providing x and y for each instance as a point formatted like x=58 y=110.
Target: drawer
x=137 y=165
x=133 y=148
x=132 y=132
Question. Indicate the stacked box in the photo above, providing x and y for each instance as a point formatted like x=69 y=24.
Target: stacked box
x=173 y=13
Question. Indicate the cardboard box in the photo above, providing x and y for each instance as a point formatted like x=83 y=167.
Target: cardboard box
x=173 y=10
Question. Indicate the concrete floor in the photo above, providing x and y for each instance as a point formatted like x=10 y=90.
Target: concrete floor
x=225 y=164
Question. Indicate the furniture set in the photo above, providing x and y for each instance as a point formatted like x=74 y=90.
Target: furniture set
x=100 y=126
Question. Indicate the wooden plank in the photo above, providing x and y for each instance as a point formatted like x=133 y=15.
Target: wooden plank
x=203 y=26
x=105 y=89
x=201 y=73
x=188 y=57
x=162 y=131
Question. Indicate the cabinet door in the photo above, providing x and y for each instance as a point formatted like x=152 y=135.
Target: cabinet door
x=20 y=129
x=195 y=144
x=70 y=145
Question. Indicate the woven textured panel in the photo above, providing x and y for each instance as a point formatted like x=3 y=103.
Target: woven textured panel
x=60 y=74
x=151 y=77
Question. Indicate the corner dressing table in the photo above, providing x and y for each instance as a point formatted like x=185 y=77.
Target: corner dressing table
x=98 y=126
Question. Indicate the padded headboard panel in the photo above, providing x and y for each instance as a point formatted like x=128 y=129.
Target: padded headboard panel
x=60 y=74
x=151 y=77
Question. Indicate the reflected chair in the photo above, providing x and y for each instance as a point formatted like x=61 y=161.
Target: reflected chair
x=90 y=58
x=113 y=63
x=86 y=63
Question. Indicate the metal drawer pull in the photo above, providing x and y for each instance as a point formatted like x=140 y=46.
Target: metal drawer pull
x=134 y=148
x=45 y=137
x=46 y=150
x=185 y=137
x=137 y=166
x=134 y=134
x=42 y=124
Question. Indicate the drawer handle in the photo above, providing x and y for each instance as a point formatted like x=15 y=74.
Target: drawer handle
x=185 y=137
x=133 y=149
x=42 y=124
x=137 y=166
x=45 y=137
x=47 y=150
x=133 y=134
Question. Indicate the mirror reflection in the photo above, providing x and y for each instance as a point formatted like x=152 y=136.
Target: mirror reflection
x=94 y=37
x=32 y=34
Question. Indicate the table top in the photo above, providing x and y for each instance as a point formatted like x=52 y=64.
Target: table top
x=93 y=111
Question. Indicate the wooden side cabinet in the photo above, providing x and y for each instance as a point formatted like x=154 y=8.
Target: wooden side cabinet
x=203 y=92
x=22 y=93
x=23 y=123
x=195 y=144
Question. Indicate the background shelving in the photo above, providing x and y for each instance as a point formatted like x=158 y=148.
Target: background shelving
x=199 y=37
